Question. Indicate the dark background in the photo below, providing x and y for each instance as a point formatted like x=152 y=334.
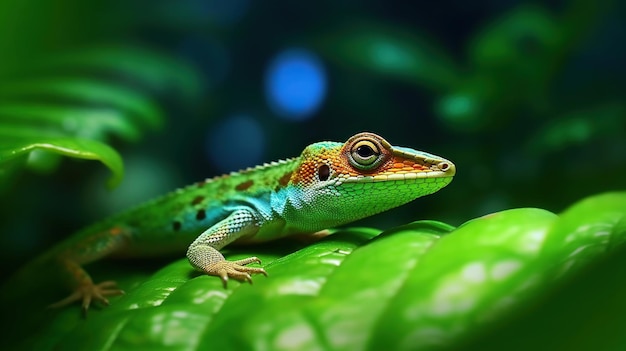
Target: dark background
x=526 y=98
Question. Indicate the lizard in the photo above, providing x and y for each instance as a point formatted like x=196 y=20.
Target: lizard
x=328 y=185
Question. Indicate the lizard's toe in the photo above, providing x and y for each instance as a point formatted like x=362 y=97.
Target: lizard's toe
x=235 y=269
x=86 y=293
x=247 y=261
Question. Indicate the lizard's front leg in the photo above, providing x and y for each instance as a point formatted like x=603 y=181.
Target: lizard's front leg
x=203 y=253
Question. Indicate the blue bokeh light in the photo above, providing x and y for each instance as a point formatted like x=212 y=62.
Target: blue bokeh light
x=236 y=143
x=295 y=84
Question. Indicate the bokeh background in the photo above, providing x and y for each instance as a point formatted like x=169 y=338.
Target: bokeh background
x=527 y=98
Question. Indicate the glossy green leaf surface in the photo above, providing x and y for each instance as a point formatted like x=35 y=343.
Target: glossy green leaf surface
x=66 y=146
x=470 y=276
x=424 y=285
x=585 y=255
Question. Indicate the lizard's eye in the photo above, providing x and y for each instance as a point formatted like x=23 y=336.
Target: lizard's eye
x=365 y=154
x=365 y=151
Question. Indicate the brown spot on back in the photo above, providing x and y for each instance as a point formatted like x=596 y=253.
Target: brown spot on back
x=245 y=185
x=201 y=215
x=200 y=184
x=196 y=200
x=284 y=180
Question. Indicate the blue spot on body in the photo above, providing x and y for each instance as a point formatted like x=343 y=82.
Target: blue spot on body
x=295 y=84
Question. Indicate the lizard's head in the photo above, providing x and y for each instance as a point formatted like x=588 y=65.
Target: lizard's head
x=342 y=182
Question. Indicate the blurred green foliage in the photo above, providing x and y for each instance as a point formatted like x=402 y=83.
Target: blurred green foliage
x=527 y=98
x=68 y=109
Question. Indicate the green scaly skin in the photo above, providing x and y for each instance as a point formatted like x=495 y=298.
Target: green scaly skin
x=329 y=184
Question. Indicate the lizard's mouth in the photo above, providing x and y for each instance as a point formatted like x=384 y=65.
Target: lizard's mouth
x=444 y=174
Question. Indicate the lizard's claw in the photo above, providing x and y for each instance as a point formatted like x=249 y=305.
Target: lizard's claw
x=235 y=269
x=90 y=292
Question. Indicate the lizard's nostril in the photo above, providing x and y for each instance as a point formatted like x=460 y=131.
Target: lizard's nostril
x=447 y=167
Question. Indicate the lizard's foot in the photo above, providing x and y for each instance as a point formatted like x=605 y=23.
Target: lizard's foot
x=235 y=269
x=90 y=292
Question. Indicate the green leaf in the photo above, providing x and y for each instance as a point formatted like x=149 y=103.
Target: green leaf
x=585 y=313
x=90 y=92
x=586 y=231
x=90 y=122
x=424 y=285
x=586 y=310
x=376 y=272
x=78 y=101
x=153 y=70
x=74 y=147
x=469 y=276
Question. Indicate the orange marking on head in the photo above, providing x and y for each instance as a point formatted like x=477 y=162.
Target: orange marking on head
x=410 y=165
x=311 y=161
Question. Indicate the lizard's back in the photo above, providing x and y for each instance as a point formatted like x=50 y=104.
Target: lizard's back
x=171 y=222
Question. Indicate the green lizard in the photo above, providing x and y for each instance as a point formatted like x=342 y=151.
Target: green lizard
x=329 y=184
